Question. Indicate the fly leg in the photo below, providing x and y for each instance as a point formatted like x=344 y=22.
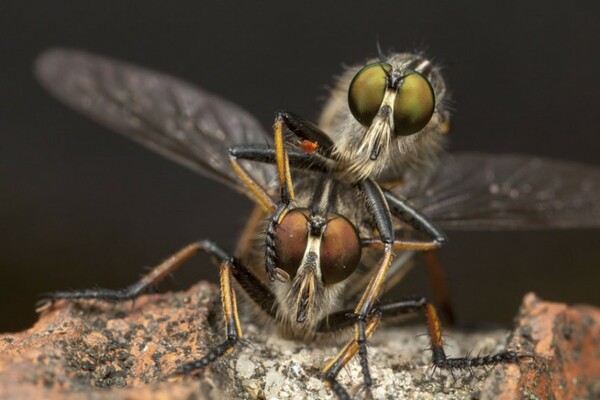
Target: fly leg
x=311 y=139
x=251 y=284
x=402 y=264
x=313 y=142
x=344 y=319
x=367 y=326
x=281 y=158
x=366 y=319
x=287 y=158
x=233 y=330
x=260 y=294
x=341 y=320
x=229 y=267
x=131 y=292
x=366 y=322
x=278 y=210
x=434 y=270
x=439 y=285
x=286 y=187
x=439 y=358
x=409 y=215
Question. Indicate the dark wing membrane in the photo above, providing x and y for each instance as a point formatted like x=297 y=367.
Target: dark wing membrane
x=481 y=191
x=169 y=116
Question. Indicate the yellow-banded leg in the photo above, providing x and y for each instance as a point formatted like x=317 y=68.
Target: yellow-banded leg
x=402 y=209
x=435 y=271
x=439 y=359
x=282 y=162
x=366 y=317
x=230 y=267
x=153 y=277
x=332 y=369
x=233 y=330
x=286 y=187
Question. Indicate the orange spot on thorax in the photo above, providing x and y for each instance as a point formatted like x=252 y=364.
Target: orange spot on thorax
x=308 y=146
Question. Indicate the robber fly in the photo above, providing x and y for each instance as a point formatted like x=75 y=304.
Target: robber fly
x=311 y=250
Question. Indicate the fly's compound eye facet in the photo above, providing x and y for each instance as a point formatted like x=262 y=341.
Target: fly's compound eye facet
x=291 y=238
x=366 y=91
x=340 y=250
x=414 y=104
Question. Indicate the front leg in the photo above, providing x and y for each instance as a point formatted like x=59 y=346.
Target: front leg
x=308 y=133
x=286 y=188
x=295 y=159
x=366 y=318
x=311 y=139
x=366 y=322
x=365 y=327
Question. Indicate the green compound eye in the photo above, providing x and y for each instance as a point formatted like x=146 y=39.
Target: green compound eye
x=366 y=91
x=414 y=105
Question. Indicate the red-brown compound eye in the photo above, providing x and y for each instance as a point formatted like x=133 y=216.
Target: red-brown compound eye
x=340 y=250
x=291 y=237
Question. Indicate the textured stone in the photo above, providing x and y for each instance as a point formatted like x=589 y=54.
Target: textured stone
x=566 y=344
x=97 y=350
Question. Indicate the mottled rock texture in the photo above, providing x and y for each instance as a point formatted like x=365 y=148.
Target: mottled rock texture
x=97 y=350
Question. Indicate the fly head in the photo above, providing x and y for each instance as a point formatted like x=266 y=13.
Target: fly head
x=316 y=252
x=386 y=116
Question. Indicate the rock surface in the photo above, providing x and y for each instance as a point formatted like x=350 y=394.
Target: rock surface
x=566 y=344
x=97 y=350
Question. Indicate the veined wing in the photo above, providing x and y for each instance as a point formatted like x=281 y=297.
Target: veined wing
x=167 y=115
x=481 y=191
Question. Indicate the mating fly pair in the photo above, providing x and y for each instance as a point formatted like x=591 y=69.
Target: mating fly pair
x=313 y=258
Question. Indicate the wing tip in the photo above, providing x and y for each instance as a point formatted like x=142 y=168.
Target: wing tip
x=49 y=64
x=46 y=64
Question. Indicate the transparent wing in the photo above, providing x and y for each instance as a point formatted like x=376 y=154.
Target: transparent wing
x=167 y=115
x=481 y=191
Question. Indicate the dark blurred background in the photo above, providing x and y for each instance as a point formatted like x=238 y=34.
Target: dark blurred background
x=83 y=207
